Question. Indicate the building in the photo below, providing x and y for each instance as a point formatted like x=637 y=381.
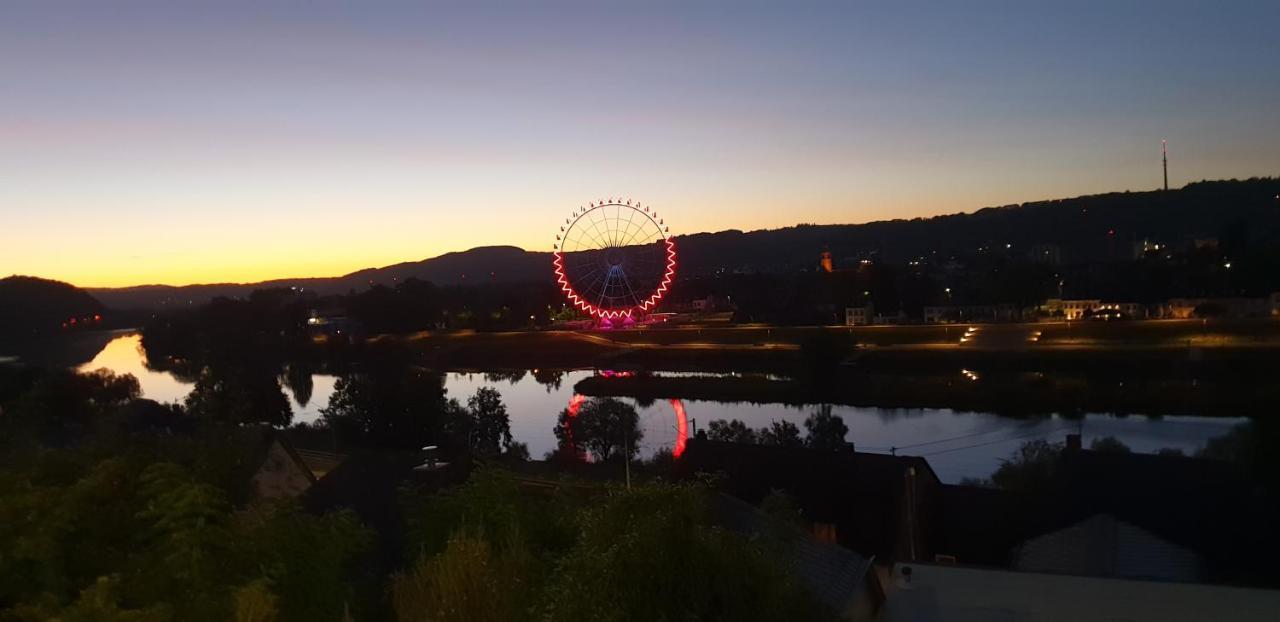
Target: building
x=858 y=316
x=842 y=580
x=287 y=472
x=1105 y=546
x=1070 y=309
x=335 y=326
x=1113 y=536
x=923 y=592
x=877 y=505
x=1118 y=311
x=824 y=262
x=1147 y=248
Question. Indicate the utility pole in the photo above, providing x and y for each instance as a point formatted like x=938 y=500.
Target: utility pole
x=1164 y=159
x=626 y=453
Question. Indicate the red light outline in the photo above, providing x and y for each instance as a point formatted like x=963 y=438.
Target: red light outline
x=613 y=314
x=682 y=424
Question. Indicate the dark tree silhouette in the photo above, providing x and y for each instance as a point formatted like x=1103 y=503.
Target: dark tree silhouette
x=387 y=407
x=1109 y=444
x=298 y=378
x=1030 y=468
x=239 y=395
x=782 y=433
x=825 y=430
x=733 y=431
x=604 y=427
x=487 y=425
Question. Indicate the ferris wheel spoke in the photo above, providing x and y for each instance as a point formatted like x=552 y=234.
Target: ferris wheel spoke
x=617 y=221
x=632 y=238
x=630 y=215
x=582 y=231
x=629 y=234
x=600 y=236
x=585 y=232
x=635 y=299
x=613 y=260
x=605 y=232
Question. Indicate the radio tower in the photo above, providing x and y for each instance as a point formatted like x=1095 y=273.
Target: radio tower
x=1164 y=158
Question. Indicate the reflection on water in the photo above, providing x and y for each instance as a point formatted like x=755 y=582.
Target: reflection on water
x=957 y=444
x=124 y=355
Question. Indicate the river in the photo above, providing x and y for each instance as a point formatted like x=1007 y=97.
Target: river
x=957 y=444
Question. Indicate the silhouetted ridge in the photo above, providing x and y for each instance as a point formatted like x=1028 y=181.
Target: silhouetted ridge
x=1082 y=230
x=33 y=306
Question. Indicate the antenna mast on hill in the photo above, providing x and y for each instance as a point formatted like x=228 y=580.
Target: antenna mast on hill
x=1164 y=159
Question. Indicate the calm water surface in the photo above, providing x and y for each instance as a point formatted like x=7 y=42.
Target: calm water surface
x=957 y=444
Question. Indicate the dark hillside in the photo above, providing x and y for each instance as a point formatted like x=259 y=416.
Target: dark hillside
x=32 y=307
x=1088 y=229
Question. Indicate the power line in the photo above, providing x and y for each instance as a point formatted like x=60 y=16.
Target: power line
x=954 y=438
x=1038 y=433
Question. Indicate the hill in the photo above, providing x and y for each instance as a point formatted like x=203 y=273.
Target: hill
x=1082 y=230
x=33 y=307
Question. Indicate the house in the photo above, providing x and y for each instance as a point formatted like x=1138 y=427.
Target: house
x=878 y=505
x=1121 y=515
x=1104 y=546
x=858 y=316
x=842 y=580
x=922 y=592
x=286 y=471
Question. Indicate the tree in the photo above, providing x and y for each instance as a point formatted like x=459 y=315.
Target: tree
x=61 y=404
x=401 y=407
x=604 y=427
x=825 y=430
x=1240 y=445
x=254 y=602
x=781 y=433
x=238 y=395
x=488 y=425
x=1030 y=468
x=733 y=431
x=1109 y=444
x=471 y=581
x=650 y=554
x=783 y=507
x=298 y=378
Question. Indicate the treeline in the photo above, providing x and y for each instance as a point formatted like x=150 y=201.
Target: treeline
x=115 y=508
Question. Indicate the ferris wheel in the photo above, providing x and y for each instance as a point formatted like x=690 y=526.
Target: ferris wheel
x=614 y=259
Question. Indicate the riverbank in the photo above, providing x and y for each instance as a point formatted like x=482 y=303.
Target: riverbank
x=1178 y=348
x=1015 y=395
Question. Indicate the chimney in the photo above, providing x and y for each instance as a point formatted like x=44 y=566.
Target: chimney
x=1073 y=442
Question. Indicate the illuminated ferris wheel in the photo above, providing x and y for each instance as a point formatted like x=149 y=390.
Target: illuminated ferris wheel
x=614 y=259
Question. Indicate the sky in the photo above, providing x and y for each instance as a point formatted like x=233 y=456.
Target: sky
x=178 y=143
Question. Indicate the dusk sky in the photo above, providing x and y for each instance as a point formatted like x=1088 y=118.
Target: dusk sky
x=156 y=144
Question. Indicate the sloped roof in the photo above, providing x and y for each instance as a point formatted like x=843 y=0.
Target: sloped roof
x=834 y=575
x=1104 y=546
